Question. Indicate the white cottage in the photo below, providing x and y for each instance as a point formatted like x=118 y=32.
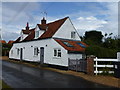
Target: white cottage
x=50 y=43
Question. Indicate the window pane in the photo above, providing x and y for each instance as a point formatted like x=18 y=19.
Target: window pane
x=59 y=54
x=55 y=52
x=17 y=51
x=67 y=44
x=83 y=46
x=35 y=51
x=37 y=34
x=72 y=34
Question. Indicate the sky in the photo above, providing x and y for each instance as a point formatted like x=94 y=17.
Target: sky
x=85 y=16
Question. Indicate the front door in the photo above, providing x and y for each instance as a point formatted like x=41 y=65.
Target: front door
x=21 y=53
x=42 y=55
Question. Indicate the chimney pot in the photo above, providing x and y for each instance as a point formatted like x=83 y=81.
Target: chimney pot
x=27 y=26
x=43 y=21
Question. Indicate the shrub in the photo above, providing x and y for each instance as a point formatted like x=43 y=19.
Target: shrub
x=101 y=52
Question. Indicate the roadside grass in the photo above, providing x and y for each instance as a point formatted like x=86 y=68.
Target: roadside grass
x=3 y=85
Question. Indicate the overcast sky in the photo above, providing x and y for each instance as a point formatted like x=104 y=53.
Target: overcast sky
x=86 y=16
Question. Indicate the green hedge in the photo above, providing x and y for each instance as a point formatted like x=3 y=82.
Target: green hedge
x=101 y=52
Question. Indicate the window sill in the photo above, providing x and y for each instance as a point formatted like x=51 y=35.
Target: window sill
x=56 y=57
x=35 y=56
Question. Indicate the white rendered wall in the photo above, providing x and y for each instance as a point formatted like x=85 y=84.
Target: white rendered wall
x=14 y=55
x=63 y=61
x=75 y=56
x=65 y=31
x=48 y=44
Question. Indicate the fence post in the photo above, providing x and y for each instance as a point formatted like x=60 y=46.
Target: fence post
x=118 y=56
x=90 y=65
x=68 y=63
x=76 y=65
x=96 y=63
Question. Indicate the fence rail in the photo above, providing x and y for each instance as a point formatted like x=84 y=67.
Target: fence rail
x=96 y=65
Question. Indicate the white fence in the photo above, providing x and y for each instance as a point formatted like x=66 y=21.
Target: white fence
x=96 y=65
x=118 y=56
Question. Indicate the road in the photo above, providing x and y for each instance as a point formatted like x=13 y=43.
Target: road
x=22 y=76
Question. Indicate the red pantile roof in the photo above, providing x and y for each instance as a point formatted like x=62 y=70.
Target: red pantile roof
x=25 y=31
x=74 y=45
x=52 y=28
x=31 y=35
x=3 y=41
x=17 y=40
x=42 y=26
x=10 y=42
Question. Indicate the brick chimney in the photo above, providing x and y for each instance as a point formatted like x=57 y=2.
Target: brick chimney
x=27 y=26
x=43 y=21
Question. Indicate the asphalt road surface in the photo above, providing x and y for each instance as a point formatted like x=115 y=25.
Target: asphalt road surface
x=22 y=76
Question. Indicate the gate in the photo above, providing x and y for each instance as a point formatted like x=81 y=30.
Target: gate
x=77 y=65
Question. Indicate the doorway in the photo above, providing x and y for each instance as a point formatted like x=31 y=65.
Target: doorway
x=21 y=53
x=41 y=55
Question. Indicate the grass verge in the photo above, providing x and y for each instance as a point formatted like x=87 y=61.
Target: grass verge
x=3 y=85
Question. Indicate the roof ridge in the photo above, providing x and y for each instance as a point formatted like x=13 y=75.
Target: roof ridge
x=58 y=20
x=55 y=21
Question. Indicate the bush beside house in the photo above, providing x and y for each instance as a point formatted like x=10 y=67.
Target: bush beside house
x=5 y=47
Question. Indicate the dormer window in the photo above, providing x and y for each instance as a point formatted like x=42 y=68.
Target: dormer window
x=73 y=35
x=21 y=37
x=36 y=34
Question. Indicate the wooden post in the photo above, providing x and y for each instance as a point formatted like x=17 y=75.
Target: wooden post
x=76 y=65
x=68 y=63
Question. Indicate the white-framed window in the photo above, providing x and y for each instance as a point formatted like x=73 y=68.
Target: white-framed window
x=18 y=51
x=36 y=34
x=73 y=34
x=57 y=52
x=36 y=50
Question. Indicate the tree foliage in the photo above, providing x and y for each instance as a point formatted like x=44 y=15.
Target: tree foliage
x=93 y=36
x=5 y=48
x=103 y=46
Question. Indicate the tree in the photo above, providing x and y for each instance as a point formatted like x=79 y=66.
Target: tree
x=5 y=48
x=101 y=46
x=93 y=37
x=109 y=42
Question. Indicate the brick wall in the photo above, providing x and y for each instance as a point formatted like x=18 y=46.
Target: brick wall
x=90 y=65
